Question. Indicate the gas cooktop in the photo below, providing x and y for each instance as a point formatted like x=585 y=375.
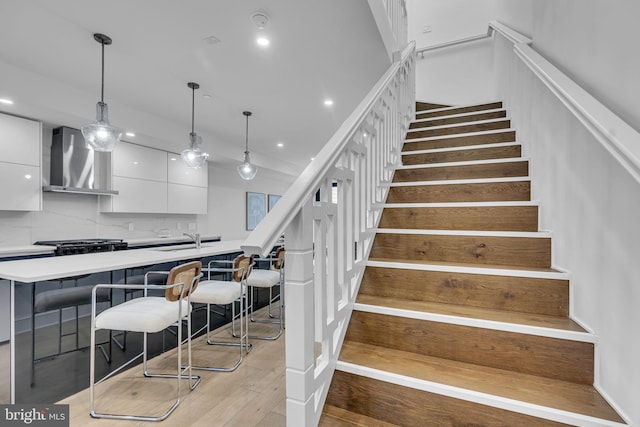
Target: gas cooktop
x=84 y=246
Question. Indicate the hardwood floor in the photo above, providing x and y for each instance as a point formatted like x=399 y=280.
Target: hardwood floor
x=253 y=395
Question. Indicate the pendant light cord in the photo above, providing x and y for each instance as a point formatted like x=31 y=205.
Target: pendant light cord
x=193 y=105
x=102 y=88
x=246 y=148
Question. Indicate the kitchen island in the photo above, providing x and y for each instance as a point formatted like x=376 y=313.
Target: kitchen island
x=49 y=268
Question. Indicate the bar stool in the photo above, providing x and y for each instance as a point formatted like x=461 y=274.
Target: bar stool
x=270 y=278
x=59 y=299
x=149 y=314
x=138 y=279
x=222 y=292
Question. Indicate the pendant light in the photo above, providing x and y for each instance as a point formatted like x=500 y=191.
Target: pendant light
x=246 y=169
x=100 y=135
x=193 y=156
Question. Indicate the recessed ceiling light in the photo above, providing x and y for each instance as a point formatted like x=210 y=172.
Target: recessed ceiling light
x=27 y=176
x=173 y=158
x=328 y=102
x=135 y=163
x=313 y=158
x=6 y=101
x=280 y=144
x=130 y=134
x=262 y=41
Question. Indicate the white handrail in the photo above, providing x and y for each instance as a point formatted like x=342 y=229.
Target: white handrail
x=465 y=40
x=391 y=19
x=620 y=139
x=512 y=35
x=615 y=135
x=265 y=235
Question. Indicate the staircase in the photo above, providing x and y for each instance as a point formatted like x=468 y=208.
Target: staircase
x=460 y=319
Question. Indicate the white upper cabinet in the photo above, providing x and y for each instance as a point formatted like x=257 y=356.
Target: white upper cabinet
x=20 y=189
x=20 y=140
x=136 y=161
x=138 y=195
x=186 y=199
x=154 y=181
x=20 y=175
x=180 y=173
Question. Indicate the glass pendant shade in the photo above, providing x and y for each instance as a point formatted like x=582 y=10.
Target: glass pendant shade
x=246 y=169
x=100 y=135
x=193 y=156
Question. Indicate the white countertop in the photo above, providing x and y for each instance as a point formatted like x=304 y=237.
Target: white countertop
x=11 y=251
x=39 y=269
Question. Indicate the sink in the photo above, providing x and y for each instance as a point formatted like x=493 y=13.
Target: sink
x=172 y=249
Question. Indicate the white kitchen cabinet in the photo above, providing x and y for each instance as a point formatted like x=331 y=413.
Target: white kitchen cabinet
x=21 y=189
x=20 y=148
x=180 y=173
x=136 y=196
x=187 y=199
x=136 y=161
x=20 y=140
x=154 y=181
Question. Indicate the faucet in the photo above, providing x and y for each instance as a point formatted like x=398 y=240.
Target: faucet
x=195 y=237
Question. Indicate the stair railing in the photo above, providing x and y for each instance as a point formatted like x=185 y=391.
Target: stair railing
x=392 y=21
x=328 y=217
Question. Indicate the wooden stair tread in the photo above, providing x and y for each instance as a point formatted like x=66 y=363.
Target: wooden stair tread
x=468 y=265
x=458 y=129
x=529 y=319
x=332 y=416
x=426 y=106
x=469 y=117
x=473 y=218
x=450 y=141
x=562 y=395
x=490 y=153
x=458 y=110
x=485 y=170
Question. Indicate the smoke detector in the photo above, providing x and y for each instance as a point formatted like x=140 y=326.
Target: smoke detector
x=260 y=19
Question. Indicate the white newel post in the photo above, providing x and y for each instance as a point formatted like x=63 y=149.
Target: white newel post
x=299 y=291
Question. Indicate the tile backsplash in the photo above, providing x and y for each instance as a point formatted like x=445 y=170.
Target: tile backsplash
x=73 y=216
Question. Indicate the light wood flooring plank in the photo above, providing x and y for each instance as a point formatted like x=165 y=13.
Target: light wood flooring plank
x=253 y=395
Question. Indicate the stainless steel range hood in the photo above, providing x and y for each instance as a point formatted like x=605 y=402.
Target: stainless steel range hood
x=75 y=168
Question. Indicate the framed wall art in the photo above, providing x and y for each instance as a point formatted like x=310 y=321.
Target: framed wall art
x=256 y=208
x=273 y=199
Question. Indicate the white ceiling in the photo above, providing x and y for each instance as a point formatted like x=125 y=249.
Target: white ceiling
x=50 y=68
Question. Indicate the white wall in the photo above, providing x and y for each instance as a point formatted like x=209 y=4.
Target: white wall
x=588 y=200
x=448 y=20
x=227 y=199
x=459 y=75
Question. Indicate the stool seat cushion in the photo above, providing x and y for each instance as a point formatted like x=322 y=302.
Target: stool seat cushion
x=263 y=278
x=216 y=292
x=57 y=299
x=148 y=314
